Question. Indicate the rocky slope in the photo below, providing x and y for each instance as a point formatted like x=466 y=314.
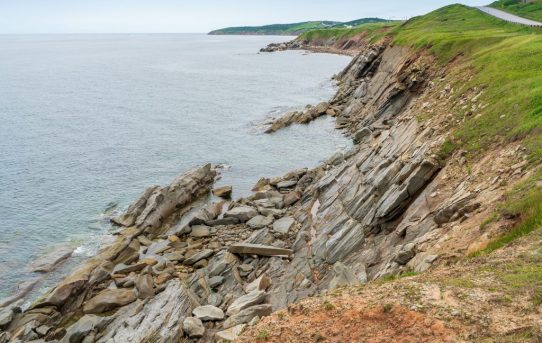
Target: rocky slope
x=395 y=204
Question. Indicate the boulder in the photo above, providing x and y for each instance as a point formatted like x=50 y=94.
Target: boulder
x=362 y=134
x=215 y=299
x=283 y=225
x=145 y=286
x=157 y=204
x=292 y=197
x=248 y=300
x=231 y=334
x=48 y=262
x=246 y=315
x=6 y=316
x=193 y=327
x=242 y=213
x=223 y=192
x=260 y=284
x=406 y=254
x=208 y=313
x=216 y=281
x=198 y=256
x=222 y=221
x=84 y=326
x=343 y=276
x=258 y=249
x=286 y=184
x=259 y=222
x=109 y=299
x=200 y=231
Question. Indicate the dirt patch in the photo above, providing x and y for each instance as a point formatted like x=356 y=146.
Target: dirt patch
x=347 y=319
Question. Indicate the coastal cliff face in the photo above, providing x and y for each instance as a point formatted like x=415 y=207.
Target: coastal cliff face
x=394 y=204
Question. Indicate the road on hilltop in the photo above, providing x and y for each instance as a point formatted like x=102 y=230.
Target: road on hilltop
x=508 y=16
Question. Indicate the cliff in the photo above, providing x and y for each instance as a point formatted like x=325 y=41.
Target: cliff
x=428 y=229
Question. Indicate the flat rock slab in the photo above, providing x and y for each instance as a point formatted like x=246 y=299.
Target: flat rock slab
x=283 y=225
x=258 y=249
x=259 y=222
x=198 y=257
x=48 y=262
x=200 y=231
x=208 y=313
x=223 y=192
x=230 y=334
x=242 y=213
x=109 y=299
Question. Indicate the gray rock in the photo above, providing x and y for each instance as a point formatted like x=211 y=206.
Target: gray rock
x=287 y=184
x=406 y=253
x=208 y=313
x=6 y=316
x=362 y=134
x=231 y=334
x=215 y=299
x=259 y=222
x=291 y=198
x=222 y=221
x=48 y=262
x=109 y=299
x=122 y=268
x=157 y=204
x=198 y=256
x=193 y=327
x=343 y=276
x=258 y=249
x=216 y=281
x=248 y=300
x=200 y=231
x=260 y=284
x=78 y=331
x=283 y=225
x=242 y=213
x=246 y=315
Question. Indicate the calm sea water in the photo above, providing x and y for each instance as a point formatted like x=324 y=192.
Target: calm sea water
x=90 y=121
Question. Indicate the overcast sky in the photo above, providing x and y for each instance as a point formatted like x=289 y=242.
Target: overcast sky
x=146 y=16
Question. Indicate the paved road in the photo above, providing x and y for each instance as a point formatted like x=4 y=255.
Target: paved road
x=509 y=17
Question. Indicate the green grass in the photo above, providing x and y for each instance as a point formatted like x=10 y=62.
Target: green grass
x=372 y=31
x=292 y=29
x=531 y=10
x=505 y=61
x=526 y=201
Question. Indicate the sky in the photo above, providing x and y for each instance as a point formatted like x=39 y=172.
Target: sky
x=176 y=16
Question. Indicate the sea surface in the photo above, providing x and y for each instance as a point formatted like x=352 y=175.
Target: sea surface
x=87 y=122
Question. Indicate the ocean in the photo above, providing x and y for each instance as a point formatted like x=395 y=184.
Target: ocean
x=87 y=122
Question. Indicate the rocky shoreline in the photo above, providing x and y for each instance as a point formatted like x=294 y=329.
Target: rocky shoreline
x=205 y=273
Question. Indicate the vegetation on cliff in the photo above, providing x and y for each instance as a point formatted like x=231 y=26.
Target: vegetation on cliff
x=531 y=9
x=292 y=29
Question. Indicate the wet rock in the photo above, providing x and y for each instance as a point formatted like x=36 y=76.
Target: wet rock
x=109 y=299
x=246 y=315
x=242 y=213
x=208 y=313
x=231 y=334
x=48 y=262
x=198 y=256
x=343 y=276
x=248 y=300
x=223 y=192
x=193 y=327
x=129 y=217
x=258 y=249
x=6 y=316
x=283 y=225
x=259 y=222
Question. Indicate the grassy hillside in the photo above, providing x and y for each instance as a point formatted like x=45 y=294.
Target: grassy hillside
x=291 y=29
x=505 y=61
x=531 y=10
x=371 y=32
